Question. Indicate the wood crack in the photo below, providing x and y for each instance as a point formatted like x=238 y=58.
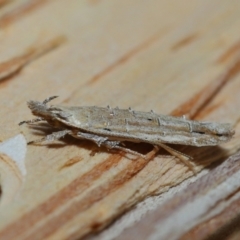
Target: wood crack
x=124 y=58
x=130 y=54
x=20 y=12
x=76 y=187
x=13 y=66
x=195 y=105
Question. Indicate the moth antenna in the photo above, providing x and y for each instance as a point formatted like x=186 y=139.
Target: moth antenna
x=49 y=99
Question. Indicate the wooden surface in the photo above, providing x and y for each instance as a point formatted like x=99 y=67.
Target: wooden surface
x=175 y=57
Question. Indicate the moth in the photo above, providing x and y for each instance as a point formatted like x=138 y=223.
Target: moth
x=110 y=127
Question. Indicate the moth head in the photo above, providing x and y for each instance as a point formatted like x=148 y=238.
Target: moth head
x=41 y=109
x=37 y=108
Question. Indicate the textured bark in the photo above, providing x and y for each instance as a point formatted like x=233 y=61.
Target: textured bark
x=175 y=57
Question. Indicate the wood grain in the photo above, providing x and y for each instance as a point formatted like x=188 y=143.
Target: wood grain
x=175 y=57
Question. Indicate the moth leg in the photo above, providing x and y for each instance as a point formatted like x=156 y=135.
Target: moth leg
x=51 y=137
x=148 y=156
x=115 y=145
x=89 y=136
x=103 y=141
x=152 y=153
x=38 y=119
x=179 y=155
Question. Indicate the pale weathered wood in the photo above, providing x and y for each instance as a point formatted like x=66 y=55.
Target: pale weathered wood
x=207 y=207
x=175 y=57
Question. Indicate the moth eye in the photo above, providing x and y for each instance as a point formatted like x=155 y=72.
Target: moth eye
x=149 y=119
x=107 y=129
x=199 y=132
